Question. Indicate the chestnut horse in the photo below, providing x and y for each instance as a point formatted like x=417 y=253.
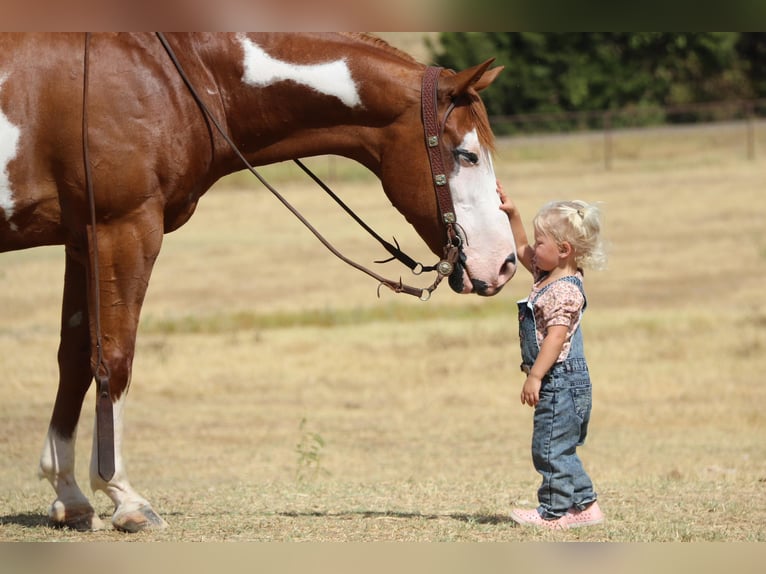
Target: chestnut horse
x=109 y=190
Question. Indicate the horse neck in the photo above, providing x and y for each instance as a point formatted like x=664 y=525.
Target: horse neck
x=281 y=120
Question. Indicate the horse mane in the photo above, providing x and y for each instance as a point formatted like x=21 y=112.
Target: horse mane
x=476 y=106
x=481 y=119
x=379 y=42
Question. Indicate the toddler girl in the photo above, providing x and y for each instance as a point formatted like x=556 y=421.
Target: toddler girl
x=567 y=239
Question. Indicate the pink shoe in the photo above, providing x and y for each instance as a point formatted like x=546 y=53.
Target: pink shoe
x=588 y=517
x=533 y=518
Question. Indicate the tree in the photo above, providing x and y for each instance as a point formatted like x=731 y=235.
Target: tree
x=562 y=72
x=752 y=51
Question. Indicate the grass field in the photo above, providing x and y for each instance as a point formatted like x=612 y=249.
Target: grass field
x=275 y=397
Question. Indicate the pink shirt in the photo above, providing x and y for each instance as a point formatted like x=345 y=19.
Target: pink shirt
x=560 y=304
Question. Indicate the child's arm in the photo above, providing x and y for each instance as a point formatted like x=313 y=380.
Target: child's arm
x=523 y=249
x=549 y=353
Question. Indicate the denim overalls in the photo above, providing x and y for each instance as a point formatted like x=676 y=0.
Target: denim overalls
x=561 y=417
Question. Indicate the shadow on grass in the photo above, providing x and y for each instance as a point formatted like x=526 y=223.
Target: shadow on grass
x=478 y=518
x=26 y=519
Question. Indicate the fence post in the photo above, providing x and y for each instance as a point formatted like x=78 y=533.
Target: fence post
x=750 y=115
x=608 y=140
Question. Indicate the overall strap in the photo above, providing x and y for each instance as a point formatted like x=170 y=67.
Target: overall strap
x=573 y=279
x=577 y=282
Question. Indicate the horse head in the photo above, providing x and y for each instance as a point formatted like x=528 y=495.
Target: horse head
x=487 y=252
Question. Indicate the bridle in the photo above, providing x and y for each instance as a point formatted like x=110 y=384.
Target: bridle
x=433 y=130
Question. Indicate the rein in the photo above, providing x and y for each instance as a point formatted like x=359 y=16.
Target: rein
x=396 y=253
x=432 y=132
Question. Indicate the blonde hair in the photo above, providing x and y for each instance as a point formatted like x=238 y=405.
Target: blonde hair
x=579 y=224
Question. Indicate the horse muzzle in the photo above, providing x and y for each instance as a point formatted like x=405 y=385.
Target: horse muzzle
x=462 y=281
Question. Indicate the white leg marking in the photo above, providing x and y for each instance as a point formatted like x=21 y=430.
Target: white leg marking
x=330 y=78
x=57 y=465
x=9 y=141
x=118 y=489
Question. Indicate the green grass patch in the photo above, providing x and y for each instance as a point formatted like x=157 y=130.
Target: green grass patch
x=327 y=318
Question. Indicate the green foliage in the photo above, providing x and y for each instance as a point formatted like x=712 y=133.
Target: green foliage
x=751 y=47
x=548 y=73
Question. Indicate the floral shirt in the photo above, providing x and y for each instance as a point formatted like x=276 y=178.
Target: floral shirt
x=561 y=304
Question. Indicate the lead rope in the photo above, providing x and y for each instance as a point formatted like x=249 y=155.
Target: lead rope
x=104 y=409
x=397 y=286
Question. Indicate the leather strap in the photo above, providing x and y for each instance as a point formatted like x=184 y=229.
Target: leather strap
x=104 y=429
x=104 y=409
x=433 y=129
x=433 y=132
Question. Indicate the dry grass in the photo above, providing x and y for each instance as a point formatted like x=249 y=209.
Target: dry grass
x=413 y=428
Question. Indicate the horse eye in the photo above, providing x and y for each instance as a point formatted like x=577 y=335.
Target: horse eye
x=469 y=156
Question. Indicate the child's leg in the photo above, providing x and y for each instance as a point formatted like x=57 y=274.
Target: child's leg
x=555 y=492
x=583 y=494
x=558 y=427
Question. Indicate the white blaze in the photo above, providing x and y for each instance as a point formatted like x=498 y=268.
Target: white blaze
x=488 y=237
x=9 y=142
x=473 y=193
x=330 y=78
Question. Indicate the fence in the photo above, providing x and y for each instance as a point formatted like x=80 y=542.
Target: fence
x=748 y=111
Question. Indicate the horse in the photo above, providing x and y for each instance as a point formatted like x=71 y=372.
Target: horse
x=108 y=141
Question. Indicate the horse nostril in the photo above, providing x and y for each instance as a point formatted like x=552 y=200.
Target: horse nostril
x=508 y=269
x=480 y=287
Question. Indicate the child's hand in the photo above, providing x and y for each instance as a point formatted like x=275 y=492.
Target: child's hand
x=530 y=392
x=506 y=204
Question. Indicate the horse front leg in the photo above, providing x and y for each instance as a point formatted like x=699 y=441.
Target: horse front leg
x=71 y=508
x=127 y=251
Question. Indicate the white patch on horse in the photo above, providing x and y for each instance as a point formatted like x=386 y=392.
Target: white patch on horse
x=9 y=142
x=330 y=78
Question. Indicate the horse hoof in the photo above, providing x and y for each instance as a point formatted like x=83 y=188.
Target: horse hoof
x=84 y=520
x=142 y=518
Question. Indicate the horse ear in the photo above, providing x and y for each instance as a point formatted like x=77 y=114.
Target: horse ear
x=478 y=77
x=487 y=78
